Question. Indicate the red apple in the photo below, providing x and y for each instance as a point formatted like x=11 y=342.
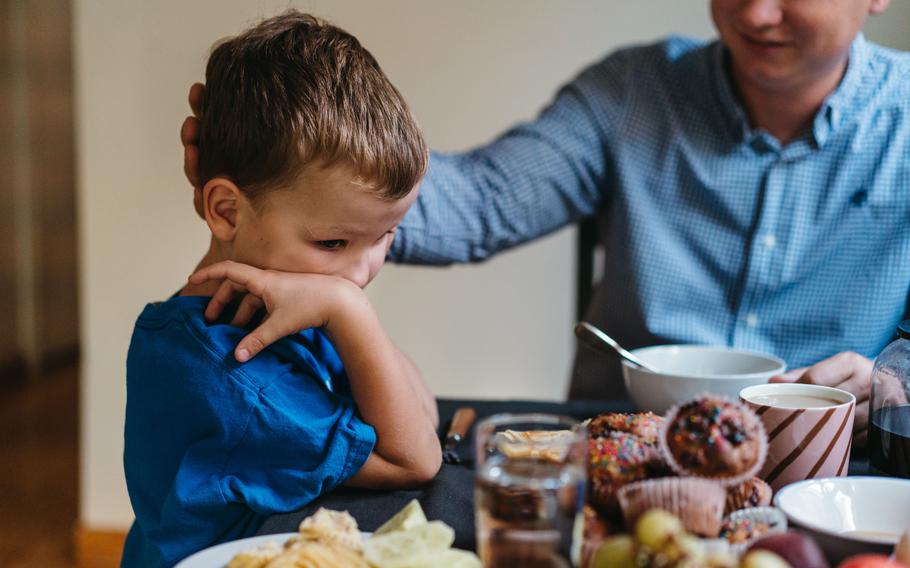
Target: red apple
x=871 y=561
x=799 y=550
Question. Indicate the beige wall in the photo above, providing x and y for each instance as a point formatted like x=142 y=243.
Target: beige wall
x=469 y=69
x=893 y=27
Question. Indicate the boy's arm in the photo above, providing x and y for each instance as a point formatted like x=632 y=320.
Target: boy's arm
x=391 y=406
x=389 y=391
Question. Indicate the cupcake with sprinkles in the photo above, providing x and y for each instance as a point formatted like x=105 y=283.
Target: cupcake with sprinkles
x=645 y=425
x=742 y=528
x=714 y=438
x=616 y=459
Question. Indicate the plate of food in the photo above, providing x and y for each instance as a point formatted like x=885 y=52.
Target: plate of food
x=331 y=538
x=222 y=554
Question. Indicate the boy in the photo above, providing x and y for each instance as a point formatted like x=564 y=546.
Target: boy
x=309 y=159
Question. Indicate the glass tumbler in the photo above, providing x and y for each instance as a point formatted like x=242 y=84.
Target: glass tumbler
x=529 y=490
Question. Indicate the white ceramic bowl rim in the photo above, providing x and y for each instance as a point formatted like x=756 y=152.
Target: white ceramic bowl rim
x=780 y=364
x=794 y=516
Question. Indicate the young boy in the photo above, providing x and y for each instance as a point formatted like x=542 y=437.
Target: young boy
x=309 y=159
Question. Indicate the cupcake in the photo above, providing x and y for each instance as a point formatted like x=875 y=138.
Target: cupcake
x=699 y=503
x=742 y=528
x=615 y=460
x=712 y=437
x=750 y=493
x=594 y=532
x=645 y=425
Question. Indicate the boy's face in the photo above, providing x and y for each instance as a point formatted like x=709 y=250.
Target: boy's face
x=328 y=224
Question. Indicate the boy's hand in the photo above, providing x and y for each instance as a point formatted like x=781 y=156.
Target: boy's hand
x=293 y=301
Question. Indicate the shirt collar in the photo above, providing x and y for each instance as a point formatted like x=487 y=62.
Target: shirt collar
x=736 y=116
x=833 y=110
x=829 y=116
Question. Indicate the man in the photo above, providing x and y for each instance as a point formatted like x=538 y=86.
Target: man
x=751 y=192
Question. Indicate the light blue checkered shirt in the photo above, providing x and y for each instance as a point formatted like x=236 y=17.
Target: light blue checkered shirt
x=712 y=232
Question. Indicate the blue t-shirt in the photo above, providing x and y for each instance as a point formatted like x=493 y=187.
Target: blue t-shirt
x=212 y=446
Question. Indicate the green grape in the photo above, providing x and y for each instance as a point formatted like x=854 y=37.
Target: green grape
x=655 y=527
x=615 y=552
x=686 y=547
x=763 y=559
x=720 y=561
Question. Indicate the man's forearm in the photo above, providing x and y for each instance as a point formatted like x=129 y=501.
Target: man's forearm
x=533 y=180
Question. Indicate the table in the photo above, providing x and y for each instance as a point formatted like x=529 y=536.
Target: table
x=450 y=497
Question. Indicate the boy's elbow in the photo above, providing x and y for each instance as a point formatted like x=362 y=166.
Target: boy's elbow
x=419 y=471
x=381 y=473
x=420 y=467
x=425 y=472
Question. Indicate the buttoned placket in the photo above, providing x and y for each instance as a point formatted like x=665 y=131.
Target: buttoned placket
x=765 y=256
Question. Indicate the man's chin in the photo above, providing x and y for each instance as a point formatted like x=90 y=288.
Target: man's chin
x=768 y=78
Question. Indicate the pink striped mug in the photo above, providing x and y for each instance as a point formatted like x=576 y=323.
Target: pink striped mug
x=810 y=430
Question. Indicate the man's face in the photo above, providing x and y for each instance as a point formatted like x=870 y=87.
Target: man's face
x=329 y=224
x=779 y=45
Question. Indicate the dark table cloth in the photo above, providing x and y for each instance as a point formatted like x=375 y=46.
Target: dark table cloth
x=450 y=497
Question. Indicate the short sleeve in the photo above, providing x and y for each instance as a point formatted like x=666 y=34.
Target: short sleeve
x=300 y=441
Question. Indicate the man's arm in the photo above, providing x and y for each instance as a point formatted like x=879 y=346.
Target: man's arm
x=534 y=179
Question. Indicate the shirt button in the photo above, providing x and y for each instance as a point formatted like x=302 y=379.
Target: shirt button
x=752 y=320
x=770 y=241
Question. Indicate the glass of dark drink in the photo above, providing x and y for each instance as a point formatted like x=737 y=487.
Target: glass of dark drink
x=889 y=407
x=529 y=490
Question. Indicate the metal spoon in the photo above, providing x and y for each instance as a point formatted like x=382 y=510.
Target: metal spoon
x=599 y=340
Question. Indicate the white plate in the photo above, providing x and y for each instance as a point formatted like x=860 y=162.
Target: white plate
x=848 y=515
x=219 y=555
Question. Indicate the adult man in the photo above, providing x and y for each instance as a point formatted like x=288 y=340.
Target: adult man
x=752 y=192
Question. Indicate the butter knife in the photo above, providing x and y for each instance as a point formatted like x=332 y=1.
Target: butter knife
x=461 y=422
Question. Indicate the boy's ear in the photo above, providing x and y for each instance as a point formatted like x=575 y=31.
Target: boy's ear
x=222 y=200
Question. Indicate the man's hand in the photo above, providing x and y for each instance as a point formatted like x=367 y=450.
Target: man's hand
x=293 y=301
x=847 y=371
x=189 y=137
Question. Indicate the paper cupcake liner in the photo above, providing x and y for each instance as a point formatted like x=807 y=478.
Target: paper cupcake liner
x=771 y=516
x=698 y=502
x=749 y=415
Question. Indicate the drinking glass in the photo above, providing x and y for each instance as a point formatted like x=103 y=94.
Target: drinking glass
x=529 y=490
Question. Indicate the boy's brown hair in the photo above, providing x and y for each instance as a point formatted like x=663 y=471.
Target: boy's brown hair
x=295 y=92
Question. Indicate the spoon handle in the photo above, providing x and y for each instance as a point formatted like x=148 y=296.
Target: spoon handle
x=593 y=337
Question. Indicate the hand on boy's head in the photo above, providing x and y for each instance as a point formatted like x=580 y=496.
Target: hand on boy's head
x=197 y=93
x=189 y=135
x=293 y=301
x=847 y=371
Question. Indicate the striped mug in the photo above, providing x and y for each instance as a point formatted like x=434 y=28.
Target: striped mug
x=810 y=430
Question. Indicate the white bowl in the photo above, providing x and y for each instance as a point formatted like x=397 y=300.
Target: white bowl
x=687 y=371
x=849 y=515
